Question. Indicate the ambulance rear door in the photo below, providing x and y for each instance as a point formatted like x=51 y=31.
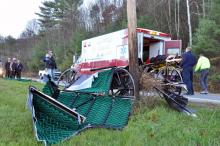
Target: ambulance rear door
x=173 y=47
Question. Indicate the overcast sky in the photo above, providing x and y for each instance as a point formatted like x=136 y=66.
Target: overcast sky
x=15 y=14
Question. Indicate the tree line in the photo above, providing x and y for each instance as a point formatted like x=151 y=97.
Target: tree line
x=63 y=24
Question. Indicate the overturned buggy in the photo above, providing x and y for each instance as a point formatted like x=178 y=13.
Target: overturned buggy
x=60 y=114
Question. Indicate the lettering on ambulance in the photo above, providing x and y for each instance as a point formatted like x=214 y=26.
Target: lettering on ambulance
x=124 y=48
x=123 y=52
x=89 y=44
x=84 y=44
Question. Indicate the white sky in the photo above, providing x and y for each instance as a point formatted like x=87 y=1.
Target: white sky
x=15 y=14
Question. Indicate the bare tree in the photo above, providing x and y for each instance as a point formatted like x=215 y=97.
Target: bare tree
x=31 y=29
x=178 y=19
x=203 y=8
x=189 y=22
x=170 y=19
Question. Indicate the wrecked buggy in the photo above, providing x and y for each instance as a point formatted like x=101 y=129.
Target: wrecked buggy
x=59 y=114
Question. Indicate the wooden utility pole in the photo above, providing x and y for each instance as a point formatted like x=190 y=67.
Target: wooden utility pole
x=132 y=43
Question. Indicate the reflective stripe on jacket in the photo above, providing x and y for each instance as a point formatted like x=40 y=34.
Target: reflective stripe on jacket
x=203 y=63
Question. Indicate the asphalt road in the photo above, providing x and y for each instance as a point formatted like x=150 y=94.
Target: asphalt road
x=209 y=98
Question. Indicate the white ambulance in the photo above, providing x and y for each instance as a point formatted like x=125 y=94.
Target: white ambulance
x=112 y=49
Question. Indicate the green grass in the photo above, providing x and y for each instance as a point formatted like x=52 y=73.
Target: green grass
x=157 y=125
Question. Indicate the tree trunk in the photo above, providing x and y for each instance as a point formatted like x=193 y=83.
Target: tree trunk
x=189 y=23
x=175 y=16
x=132 y=43
x=169 y=20
x=197 y=7
x=178 y=19
x=203 y=8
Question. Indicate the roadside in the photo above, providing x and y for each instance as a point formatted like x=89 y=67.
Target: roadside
x=209 y=98
x=197 y=98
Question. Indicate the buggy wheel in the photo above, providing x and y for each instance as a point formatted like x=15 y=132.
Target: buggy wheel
x=122 y=84
x=172 y=75
x=66 y=79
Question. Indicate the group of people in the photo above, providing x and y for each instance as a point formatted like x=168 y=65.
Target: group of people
x=13 y=68
x=50 y=64
x=187 y=63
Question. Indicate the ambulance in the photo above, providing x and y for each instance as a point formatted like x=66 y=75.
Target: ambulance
x=112 y=49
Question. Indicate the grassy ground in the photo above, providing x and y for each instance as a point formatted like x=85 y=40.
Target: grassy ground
x=154 y=125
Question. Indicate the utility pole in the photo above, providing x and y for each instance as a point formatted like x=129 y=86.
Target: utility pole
x=132 y=44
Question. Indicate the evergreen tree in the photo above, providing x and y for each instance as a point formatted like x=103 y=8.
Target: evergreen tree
x=206 y=38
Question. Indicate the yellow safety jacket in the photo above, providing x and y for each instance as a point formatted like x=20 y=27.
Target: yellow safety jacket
x=203 y=63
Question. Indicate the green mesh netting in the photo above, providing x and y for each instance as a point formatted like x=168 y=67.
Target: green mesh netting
x=102 y=83
x=53 y=125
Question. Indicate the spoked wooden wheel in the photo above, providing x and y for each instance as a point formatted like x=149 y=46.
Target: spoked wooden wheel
x=122 y=84
x=66 y=79
x=171 y=75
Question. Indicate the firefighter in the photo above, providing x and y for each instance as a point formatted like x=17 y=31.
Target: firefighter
x=203 y=66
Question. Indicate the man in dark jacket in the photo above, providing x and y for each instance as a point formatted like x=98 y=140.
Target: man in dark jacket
x=48 y=65
x=53 y=63
x=47 y=61
x=187 y=63
x=7 y=68
x=13 y=67
x=18 y=69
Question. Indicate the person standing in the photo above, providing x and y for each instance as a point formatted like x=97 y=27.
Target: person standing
x=48 y=64
x=53 y=63
x=203 y=66
x=13 y=67
x=18 y=69
x=187 y=62
x=7 y=68
x=1 y=63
